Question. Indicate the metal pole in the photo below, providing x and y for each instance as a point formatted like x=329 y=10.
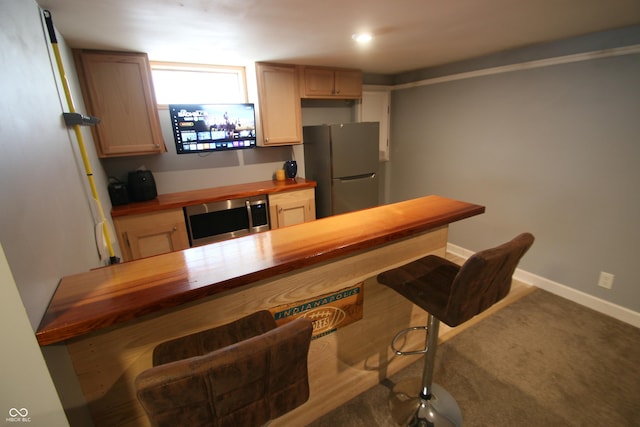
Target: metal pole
x=433 y=328
x=76 y=128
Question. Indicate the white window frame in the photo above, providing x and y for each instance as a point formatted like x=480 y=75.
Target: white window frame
x=239 y=71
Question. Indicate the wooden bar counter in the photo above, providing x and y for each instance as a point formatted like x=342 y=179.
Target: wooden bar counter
x=111 y=318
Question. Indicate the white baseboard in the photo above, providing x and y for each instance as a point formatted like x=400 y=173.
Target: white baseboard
x=605 y=307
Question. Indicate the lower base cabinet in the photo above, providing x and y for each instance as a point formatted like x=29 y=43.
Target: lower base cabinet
x=151 y=234
x=292 y=207
x=155 y=233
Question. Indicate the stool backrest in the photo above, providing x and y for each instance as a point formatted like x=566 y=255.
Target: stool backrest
x=204 y=342
x=244 y=384
x=484 y=279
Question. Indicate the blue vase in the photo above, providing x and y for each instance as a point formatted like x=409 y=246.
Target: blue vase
x=290 y=169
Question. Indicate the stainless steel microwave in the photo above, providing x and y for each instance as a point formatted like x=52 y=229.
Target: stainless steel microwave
x=213 y=222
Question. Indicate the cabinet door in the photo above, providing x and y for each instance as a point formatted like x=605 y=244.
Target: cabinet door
x=329 y=83
x=279 y=109
x=318 y=82
x=348 y=83
x=117 y=89
x=292 y=213
x=151 y=234
x=292 y=207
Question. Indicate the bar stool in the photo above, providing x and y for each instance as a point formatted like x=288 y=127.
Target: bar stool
x=244 y=373
x=452 y=294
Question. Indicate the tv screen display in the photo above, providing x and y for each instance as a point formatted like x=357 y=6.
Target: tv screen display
x=199 y=128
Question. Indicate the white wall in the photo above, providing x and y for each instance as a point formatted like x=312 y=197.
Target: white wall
x=27 y=394
x=551 y=150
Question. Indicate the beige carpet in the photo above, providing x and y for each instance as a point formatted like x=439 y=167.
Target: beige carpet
x=541 y=361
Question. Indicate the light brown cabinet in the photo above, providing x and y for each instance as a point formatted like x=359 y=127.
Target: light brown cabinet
x=330 y=83
x=292 y=207
x=151 y=234
x=117 y=88
x=279 y=104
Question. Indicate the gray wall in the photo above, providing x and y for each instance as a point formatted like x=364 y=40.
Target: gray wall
x=47 y=218
x=182 y=172
x=551 y=150
x=173 y=172
x=26 y=384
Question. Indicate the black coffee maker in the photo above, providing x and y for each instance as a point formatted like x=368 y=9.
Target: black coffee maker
x=141 y=186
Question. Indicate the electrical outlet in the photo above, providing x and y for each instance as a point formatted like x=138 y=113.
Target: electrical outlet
x=606 y=280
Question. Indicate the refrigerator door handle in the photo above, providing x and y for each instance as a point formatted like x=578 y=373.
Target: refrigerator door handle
x=363 y=176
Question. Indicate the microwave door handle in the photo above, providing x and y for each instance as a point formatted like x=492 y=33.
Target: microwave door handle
x=248 y=205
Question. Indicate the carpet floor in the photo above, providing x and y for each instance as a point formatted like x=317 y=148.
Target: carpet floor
x=540 y=361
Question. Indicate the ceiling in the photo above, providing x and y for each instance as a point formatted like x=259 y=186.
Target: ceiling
x=408 y=34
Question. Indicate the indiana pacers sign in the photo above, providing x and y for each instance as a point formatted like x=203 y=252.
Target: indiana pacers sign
x=328 y=312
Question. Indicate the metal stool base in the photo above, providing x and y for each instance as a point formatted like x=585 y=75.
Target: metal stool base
x=409 y=409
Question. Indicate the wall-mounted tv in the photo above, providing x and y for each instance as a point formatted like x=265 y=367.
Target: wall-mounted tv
x=199 y=128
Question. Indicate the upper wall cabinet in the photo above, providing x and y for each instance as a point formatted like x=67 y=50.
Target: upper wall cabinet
x=117 y=88
x=330 y=83
x=279 y=101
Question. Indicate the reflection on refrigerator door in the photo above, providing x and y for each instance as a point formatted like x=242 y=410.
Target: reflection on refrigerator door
x=355 y=193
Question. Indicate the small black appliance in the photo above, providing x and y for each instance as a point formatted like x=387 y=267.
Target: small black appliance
x=118 y=192
x=142 y=186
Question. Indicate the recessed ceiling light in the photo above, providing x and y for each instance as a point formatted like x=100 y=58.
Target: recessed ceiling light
x=362 y=37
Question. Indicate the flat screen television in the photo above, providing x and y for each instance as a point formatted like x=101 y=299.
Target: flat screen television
x=199 y=128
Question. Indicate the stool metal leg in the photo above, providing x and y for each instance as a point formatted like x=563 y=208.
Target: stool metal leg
x=422 y=403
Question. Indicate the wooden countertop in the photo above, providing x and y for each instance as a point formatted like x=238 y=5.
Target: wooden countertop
x=106 y=296
x=194 y=197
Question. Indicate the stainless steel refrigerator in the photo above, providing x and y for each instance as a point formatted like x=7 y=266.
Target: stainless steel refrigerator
x=343 y=160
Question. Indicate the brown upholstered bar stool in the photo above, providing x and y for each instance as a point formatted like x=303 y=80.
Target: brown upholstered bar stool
x=453 y=295
x=245 y=373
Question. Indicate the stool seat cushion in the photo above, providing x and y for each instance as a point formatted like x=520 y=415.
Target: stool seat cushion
x=425 y=282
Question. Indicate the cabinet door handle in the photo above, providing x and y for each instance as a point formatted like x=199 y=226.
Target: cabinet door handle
x=175 y=228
